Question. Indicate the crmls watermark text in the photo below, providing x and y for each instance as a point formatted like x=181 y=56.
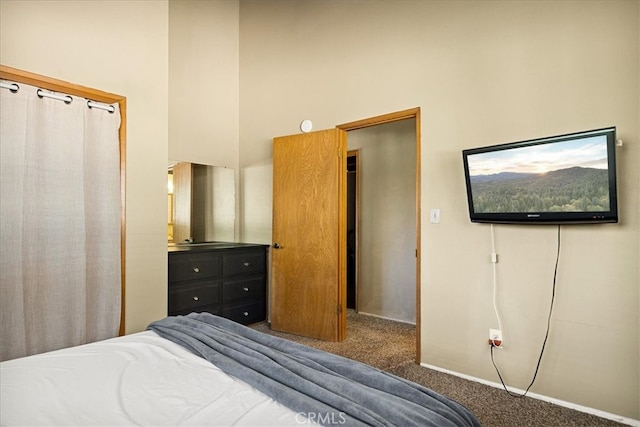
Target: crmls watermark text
x=322 y=418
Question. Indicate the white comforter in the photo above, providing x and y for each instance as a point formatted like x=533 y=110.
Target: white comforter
x=139 y=379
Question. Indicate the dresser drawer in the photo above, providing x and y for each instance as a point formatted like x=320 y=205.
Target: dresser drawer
x=190 y=297
x=213 y=309
x=193 y=266
x=252 y=287
x=245 y=313
x=225 y=279
x=244 y=263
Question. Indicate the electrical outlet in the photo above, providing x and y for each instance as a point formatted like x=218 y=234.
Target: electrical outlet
x=495 y=337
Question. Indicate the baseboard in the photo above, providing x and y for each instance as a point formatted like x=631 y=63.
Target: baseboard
x=387 y=318
x=585 y=409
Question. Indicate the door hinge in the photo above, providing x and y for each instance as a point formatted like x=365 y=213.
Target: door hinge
x=339 y=309
x=339 y=152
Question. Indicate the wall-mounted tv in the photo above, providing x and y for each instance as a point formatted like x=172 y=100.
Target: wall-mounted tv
x=553 y=180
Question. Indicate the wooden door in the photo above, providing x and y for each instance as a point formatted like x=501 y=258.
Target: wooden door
x=308 y=289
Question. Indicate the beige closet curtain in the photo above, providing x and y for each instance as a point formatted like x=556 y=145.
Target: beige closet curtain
x=59 y=223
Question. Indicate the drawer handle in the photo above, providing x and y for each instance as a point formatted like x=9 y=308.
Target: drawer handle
x=245 y=289
x=196 y=298
x=247 y=264
x=196 y=270
x=246 y=313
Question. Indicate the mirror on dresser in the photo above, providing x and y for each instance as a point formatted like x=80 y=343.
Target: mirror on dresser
x=201 y=203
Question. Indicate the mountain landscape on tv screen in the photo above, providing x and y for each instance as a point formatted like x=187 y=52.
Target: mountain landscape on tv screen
x=575 y=189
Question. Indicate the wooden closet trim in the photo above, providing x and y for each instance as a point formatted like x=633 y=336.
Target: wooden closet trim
x=44 y=82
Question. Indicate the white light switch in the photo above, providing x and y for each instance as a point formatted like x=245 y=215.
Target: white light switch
x=435 y=216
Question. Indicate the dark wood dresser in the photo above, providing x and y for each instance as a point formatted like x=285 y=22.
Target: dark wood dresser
x=226 y=279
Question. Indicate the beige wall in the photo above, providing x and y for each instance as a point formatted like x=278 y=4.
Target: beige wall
x=177 y=64
x=387 y=229
x=204 y=86
x=100 y=44
x=482 y=73
x=203 y=82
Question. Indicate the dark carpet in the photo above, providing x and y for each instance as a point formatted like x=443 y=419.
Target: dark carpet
x=391 y=346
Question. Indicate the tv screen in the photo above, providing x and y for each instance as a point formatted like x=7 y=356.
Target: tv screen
x=553 y=180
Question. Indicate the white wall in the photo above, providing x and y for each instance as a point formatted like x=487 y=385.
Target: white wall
x=482 y=73
x=100 y=44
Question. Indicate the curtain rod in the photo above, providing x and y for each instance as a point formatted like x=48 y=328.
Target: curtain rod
x=67 y=99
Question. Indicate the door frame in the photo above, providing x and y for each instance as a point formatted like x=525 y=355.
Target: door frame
x=412 y=113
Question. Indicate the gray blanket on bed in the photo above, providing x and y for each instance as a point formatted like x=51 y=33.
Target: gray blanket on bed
x=327 y=388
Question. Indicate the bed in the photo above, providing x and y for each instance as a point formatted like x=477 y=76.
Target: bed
x=202 y=369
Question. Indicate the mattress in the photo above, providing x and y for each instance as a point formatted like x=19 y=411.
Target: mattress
x=137 y=379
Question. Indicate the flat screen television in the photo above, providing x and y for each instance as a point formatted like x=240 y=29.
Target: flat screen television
x=553 y=180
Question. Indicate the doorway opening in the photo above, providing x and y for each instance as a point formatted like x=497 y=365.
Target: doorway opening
x=352 y=229
x=320 y=311
x=414 y=255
